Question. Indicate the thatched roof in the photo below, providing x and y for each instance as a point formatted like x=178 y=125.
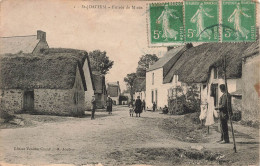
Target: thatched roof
x=45 y=71
x=139 y=84
x=16 y=44
x=81 y=55
x=113 y=89
x=99 y=83
x=194 y=65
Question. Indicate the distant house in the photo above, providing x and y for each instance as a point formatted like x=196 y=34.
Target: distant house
x=156 y=89
x=25 y=44
x=203 y=65
x=113 y=90
x=52 y=83
x=139 y=87
x=100 y=89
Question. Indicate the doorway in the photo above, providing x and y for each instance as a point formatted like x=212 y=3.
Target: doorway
x=28 y=104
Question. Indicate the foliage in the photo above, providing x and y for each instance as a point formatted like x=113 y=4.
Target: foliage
x=144 y=62
x=130 y=79
x=100 y=62
x=186 y=102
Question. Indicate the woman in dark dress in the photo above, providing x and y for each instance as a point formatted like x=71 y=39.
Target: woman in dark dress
x=138 y=106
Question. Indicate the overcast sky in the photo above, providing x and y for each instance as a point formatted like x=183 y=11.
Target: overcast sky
x=121 y=33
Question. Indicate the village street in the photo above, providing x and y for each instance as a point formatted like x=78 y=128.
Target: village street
x=119 y=139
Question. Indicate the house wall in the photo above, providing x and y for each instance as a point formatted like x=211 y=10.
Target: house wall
x=11 y=100
x=233 y=85
x=115 y=99
x=90 y=92
x=162 y=89
x=40 y=45
x=250 y=98
x=59 y=101
x=100 y=100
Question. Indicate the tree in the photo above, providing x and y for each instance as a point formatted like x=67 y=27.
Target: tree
x=130 y=79
x=144 y=62
x=100 y=62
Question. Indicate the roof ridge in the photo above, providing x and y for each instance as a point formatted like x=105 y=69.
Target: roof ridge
x=17 y=36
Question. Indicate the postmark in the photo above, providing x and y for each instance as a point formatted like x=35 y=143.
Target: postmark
x=201 y=21
x=166 y=23
x=238 y=20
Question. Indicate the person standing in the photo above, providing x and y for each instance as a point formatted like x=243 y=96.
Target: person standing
x=224 y=108
x=138 y=106
x=154 y=106
x=93 y=102
x=109 y=105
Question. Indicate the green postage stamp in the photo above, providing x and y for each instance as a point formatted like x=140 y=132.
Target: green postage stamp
x=201 y=21
x=166 y=23
x=238 y=21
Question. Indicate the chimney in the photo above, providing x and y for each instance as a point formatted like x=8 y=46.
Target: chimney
x=117 y=82
x=169 y=48
x=41 y=35
x=188 y=45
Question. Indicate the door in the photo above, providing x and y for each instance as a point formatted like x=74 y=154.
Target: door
x=28 y=101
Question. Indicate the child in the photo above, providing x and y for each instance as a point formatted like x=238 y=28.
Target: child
x=131 y=110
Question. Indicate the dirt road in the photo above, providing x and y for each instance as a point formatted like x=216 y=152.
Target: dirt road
x=118 y=139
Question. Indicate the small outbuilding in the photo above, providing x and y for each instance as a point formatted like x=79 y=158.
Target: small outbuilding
x=50 y=83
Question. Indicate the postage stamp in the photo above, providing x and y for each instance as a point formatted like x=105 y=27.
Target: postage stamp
x=238 y=21
x=201 y=21
x=166 y=22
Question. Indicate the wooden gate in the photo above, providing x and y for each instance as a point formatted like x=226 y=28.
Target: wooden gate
x=28 y=101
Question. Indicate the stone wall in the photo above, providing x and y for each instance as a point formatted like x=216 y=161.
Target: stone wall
x=11 y=100
x=61 y=101
x=57 y=102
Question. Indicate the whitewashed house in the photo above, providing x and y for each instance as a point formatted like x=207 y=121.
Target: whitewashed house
x=25 y=44
x=156 y=89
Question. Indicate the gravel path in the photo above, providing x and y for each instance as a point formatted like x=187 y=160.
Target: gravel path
x=84 y=141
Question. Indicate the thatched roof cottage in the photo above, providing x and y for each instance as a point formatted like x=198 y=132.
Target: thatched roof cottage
x=113 y=90
x=50 y=83
x=82 y=57
x=203 y=65
x=25 y=44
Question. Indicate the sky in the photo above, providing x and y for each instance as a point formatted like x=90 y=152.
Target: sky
x=122 y=33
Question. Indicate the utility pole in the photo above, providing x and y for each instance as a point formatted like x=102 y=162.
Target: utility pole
x=229 y=114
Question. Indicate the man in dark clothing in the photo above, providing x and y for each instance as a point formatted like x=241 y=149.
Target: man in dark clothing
x=224 y=108
x=109 y=105
x=138 y=106
x=93 y=102
x=154 y=106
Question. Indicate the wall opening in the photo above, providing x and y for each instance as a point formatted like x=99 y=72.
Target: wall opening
x=28 y=104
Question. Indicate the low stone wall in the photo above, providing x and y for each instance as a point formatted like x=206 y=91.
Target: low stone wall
x=58 y=102
x=11 y=100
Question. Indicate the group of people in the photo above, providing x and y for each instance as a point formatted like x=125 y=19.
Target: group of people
x=137 y=107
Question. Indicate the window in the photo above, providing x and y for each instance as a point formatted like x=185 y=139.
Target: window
x=152 y=97
x=153 y=79
x=215 y=73
x=156 y=94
